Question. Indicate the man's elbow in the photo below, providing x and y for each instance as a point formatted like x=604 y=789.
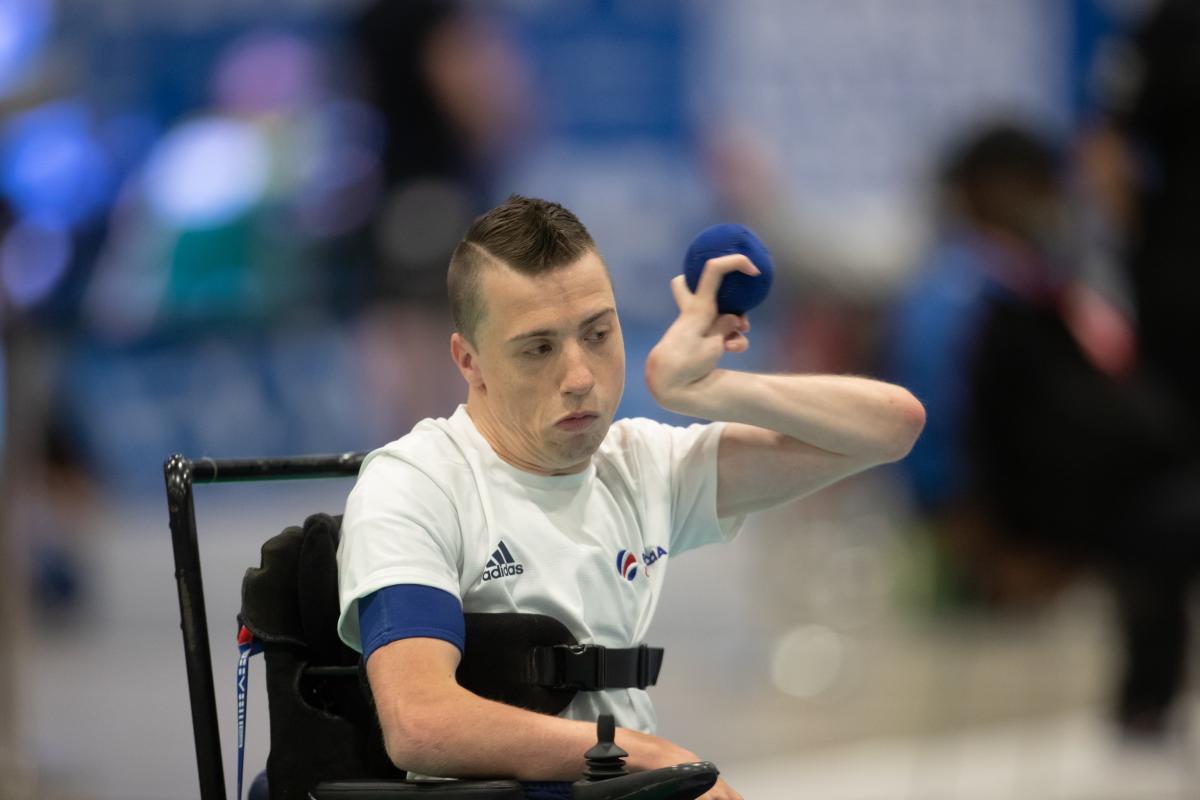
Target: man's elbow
x=414 y=738
x=909 y=420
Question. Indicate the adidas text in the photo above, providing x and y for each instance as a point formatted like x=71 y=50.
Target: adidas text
x=502 y=571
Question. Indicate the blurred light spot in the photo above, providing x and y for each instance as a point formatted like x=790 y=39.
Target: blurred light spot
x=53 y=168
x=207 y=172
x=23 y=26
x=422 y=222
x=33 y=260
x=807 y=661
x=267 y=72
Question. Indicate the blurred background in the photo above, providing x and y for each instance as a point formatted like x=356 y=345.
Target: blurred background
x=224 y=229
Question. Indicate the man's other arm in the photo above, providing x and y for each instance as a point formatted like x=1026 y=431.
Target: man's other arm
x=433 y=726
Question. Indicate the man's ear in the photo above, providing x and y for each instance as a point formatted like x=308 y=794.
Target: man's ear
x=466 y=359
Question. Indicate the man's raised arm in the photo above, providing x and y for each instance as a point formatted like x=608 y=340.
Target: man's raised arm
x=791 y=434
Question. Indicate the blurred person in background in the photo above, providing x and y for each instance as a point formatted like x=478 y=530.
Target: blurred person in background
x=1051 y=448
x=224 y=221
x=935 y=328
x=1143 y=159
x=453 y=95
x=231 y=264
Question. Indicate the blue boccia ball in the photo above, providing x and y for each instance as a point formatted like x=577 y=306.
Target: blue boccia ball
x=739 y=292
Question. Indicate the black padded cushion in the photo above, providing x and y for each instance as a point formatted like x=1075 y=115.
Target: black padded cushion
x=322 y=726
x=317 y=585
x=292 y=597
x=398 y=790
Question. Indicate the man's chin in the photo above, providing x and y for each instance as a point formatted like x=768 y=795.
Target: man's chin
x=576 y=447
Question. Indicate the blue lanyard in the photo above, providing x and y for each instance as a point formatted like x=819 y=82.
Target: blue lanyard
x=247 y=646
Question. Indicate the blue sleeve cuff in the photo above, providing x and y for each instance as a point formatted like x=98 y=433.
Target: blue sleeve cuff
x=409 y=610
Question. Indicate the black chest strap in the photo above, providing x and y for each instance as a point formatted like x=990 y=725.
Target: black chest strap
x=533 y=661
x=592 y=667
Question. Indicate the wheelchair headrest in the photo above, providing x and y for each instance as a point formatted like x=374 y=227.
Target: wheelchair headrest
x=291 y=597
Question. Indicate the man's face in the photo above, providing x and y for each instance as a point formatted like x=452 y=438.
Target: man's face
x=550 y=364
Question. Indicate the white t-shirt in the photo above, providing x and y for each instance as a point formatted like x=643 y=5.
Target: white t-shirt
x=439 y=508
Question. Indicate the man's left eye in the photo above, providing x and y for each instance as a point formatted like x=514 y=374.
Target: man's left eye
x=598 y=336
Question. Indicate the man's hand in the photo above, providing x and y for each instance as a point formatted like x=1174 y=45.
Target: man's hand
x=688 y=352
x=720 y=791
x=655 y=752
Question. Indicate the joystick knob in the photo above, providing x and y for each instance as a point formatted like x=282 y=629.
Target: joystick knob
x=605 y=760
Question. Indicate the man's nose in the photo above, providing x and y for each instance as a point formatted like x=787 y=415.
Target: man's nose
x=577 y=376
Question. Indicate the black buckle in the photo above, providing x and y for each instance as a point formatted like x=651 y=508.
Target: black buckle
x=581 y=666
x=592 y=667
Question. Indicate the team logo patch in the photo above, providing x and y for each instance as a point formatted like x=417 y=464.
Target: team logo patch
x=501 y=564
x=652 y=554
x=627 y=565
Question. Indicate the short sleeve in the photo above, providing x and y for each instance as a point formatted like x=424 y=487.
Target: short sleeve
x=406 y=611
x=400 y=527
x=688 y=456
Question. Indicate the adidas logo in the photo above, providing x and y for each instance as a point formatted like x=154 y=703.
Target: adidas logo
x=501 y=564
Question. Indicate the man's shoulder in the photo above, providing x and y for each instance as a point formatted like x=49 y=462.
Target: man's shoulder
x=431 y=447
x=642 y=438
x=633 y=429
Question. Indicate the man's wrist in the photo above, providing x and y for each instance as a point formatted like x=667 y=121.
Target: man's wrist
x=704 y=399
x=647 y=751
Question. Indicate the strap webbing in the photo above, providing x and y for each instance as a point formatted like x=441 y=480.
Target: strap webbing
x=592 y=667
x=247 y=646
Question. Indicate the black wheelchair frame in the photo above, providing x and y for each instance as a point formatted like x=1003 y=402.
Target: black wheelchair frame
x=181 y=474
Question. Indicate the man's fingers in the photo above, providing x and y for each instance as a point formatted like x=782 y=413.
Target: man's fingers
x=717 y=268
x=736 y=343
x=680 y=290
x=731 y=328
x=729 y=323
x=721 y=791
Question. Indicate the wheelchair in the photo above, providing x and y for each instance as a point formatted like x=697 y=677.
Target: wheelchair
x=325 y=739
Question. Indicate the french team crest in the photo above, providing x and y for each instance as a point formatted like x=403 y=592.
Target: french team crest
x=627 y=565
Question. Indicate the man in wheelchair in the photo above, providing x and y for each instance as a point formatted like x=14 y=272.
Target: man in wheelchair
x=531 y=499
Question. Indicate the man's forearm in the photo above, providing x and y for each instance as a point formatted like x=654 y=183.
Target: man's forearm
x=843 y=414
x=459 y=734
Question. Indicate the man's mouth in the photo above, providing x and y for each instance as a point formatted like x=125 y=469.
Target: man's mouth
x=577 y=421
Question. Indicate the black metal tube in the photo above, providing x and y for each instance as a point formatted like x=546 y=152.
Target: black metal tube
x=194 y=622
x=180 y=475
x=209 y=470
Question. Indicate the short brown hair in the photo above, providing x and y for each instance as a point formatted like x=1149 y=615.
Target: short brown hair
x=526 y=234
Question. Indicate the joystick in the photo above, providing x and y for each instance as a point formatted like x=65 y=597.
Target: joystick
x=605 y=777
x=605 y=760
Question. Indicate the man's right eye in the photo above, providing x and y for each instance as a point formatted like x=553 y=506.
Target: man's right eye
x=537 y=350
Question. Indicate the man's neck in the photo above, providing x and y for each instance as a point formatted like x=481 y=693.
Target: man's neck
x=485 y=422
